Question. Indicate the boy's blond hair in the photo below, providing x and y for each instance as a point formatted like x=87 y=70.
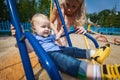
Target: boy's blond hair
x=41 y=16
x=81 y=13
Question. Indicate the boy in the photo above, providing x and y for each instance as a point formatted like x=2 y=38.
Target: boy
x=63 y=57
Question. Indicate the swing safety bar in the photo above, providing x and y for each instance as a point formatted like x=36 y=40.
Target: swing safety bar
x=87 y=35
x=63 y=23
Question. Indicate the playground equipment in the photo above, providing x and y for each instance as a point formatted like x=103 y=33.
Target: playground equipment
x=45 y=60
x=111 y=72
x=40 y=52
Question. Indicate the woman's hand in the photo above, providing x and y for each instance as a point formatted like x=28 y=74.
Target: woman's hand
x=80 y=30
x=13 y=31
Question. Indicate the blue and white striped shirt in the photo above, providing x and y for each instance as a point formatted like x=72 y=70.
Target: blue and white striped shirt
x=48 y=43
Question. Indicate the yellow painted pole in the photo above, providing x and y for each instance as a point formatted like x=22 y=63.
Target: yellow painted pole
x=85 y=39
x=86 y=42
x=50 y=7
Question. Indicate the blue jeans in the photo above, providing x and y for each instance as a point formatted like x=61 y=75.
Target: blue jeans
x=66 y=61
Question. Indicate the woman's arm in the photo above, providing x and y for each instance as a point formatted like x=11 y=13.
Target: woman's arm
x=53 y=17
x=58 y=35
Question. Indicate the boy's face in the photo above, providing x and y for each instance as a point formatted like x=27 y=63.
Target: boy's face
x=42 y=27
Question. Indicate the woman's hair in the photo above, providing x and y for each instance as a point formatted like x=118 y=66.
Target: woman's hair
x=81 y=15
x=81 y=12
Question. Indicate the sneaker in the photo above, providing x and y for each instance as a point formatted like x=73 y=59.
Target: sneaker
x=101 y=54
x=110 y=72
x=117 y=70
x=105 y=71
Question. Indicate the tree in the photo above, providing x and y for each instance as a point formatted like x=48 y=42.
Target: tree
x=44 y=7
x=116 y=22
x=3 y=11
x=93 y=17
x=26 y=9
x=104 y=17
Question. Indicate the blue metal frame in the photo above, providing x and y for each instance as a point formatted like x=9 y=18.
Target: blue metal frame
x=87 y=35
x=45 y=60
x=93 y=40
x=63 y=23
x=42 y=55
x=21 y=45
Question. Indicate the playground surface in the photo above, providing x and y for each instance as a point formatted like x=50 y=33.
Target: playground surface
x=11 y=65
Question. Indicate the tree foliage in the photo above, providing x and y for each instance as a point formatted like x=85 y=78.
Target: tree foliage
x=27 y=8
x=3 y=11
x=44 y=7
x=106 y=18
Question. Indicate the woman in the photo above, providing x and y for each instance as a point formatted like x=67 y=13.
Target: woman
x=74 y=13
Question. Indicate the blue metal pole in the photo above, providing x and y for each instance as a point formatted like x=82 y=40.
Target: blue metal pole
x=87 y=35
x=43 y=57
x=63 y=23
x=94 y=41
x=21 y=45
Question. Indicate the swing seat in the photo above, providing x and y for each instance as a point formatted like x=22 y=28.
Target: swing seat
x=101 y=54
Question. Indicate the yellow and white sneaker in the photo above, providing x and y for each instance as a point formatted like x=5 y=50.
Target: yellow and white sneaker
x=101 y=54
x=110 y=72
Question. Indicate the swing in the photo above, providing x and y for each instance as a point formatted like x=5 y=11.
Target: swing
x=40 y=52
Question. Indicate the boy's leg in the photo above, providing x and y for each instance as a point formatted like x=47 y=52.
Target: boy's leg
x=69 y=65
x=90 y=72
x=98 y=55
x=93 y=72
x=83 y=70
x=103 y=72
x=75 y=52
